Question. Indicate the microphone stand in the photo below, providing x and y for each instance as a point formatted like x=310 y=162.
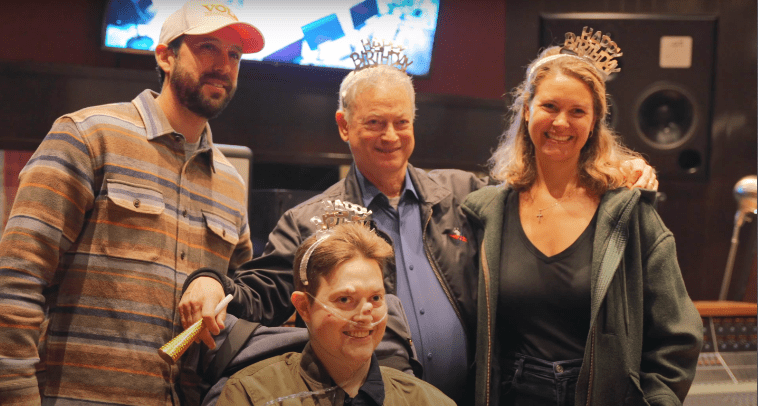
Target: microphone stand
x=745 y=193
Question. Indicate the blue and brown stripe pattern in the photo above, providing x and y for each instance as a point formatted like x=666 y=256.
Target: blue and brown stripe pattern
x=109 y=219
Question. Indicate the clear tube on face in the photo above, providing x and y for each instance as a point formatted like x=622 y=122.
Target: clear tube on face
x=330 y=393
x=348 y=316
x=295 y=396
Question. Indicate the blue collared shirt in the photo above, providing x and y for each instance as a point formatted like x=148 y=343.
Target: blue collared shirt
x=437 y=332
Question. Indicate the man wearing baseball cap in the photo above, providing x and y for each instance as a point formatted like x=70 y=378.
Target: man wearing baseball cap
x=117 y=206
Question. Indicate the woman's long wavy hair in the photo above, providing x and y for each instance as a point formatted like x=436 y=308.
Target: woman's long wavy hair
x=514 y=162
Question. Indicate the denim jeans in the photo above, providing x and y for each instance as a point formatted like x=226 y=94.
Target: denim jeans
x=530 y=381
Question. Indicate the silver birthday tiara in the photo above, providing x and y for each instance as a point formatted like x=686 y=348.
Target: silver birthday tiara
x=335 y=212
x=380 y=53
x=595 y=49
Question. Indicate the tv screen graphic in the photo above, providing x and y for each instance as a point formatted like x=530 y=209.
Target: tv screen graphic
x=300 y=32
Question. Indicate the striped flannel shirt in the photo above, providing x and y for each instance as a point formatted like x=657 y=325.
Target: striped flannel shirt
x=109 y=220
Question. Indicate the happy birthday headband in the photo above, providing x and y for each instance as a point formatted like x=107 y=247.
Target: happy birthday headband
x=335 y=212
x=380 y=53
x=595 y=49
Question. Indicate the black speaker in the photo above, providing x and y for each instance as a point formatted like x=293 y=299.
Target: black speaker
x=661 y=100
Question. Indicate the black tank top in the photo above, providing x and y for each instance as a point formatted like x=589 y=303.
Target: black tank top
x=544 y=302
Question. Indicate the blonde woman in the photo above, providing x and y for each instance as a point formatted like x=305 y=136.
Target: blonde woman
x=581 y=300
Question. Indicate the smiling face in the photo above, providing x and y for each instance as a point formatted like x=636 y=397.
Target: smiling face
x=380 y=130
x=560 y=118
x=204 y=74
x=354 y=291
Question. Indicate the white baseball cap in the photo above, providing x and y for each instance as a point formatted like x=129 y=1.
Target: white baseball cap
x=203 y=17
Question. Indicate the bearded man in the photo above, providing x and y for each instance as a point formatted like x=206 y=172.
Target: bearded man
x=117 y=206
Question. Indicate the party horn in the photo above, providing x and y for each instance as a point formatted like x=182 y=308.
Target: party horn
x=172 y=350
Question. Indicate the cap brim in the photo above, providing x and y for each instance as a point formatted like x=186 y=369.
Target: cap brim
x=252 y=39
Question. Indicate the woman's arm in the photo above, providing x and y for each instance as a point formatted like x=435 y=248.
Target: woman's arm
x=673 y=331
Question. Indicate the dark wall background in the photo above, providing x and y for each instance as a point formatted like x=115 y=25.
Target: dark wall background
x=51 y=63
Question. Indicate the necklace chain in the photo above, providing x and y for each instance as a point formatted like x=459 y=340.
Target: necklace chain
x=540 y=215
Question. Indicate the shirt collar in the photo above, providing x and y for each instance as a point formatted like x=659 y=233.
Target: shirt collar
x=157 y=124
x=370 y=192
x=374 y=386
x=314 y=372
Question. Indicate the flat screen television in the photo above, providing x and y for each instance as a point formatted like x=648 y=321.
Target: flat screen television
x=300 y=32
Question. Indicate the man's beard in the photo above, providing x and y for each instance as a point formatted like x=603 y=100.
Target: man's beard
x=189 y=93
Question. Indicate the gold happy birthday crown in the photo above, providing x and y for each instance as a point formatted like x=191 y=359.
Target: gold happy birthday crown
x=335 y=212
x=597 y=49
x=380 y=53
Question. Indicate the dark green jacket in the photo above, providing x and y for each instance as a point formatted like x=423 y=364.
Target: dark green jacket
x=645 y=333
x=290 y=374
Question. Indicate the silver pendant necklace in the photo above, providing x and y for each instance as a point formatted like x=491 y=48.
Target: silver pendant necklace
x=539 y=214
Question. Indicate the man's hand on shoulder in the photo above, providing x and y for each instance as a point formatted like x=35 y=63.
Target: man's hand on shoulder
x=639 y=174
x=199 y=302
